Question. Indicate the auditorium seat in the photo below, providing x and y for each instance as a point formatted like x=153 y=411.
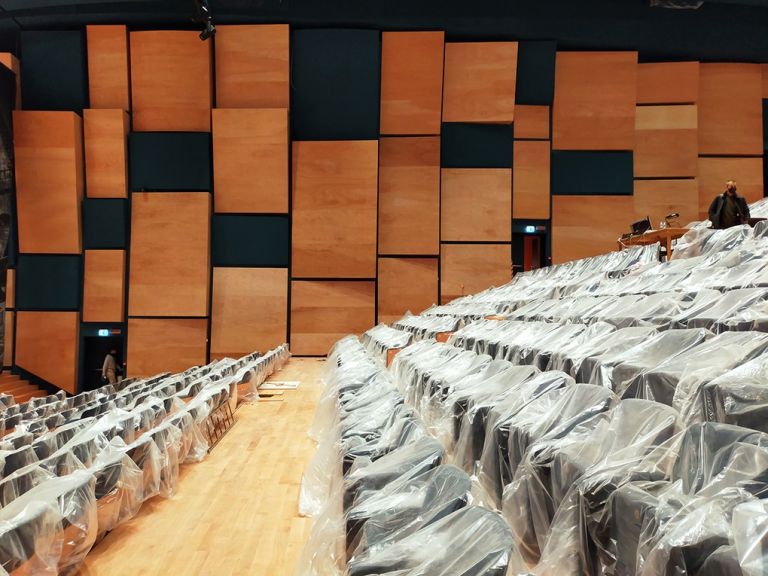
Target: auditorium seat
x=738 y=397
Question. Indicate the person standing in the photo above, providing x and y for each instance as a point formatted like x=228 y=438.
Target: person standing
x=728 y=209
x=109 y=369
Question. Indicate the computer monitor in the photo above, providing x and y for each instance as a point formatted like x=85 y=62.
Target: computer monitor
x=641 y=226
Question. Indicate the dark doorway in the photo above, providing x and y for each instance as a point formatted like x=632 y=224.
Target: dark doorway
x=530 y=245
x=96 y=349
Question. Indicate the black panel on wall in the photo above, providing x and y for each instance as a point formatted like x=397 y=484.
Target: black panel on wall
x=54 y=70
x=48 y=282
x=105 y=223
x=170 y=161
x=476 y=145
x=535 y=73
x=335 y=84
x=578 y=172
x=251 y=240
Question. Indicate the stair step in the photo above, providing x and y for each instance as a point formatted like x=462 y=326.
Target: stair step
x=18 y=388
x=9 y=377
x=27 y=395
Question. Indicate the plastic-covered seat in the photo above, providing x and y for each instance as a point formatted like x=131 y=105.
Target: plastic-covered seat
x=12 y=460
x=738 y=397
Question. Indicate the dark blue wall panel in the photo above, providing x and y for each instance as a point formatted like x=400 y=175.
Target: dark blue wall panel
x=170 y=161
x=105 y=223
x=476 y=145
x=48 y=282
x=592 y=173
x=251 y=240
x=535 y=73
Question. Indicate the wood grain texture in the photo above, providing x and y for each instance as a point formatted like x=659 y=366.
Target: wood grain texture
x=585 y=226
x=406 y=284
x=409 y=196
x=10 y=288
x=479 y=83
x=104 y=286
x=170 y=81
x=470 y=268
x=334 y=209
x=666 y=141
x=8 y=339
x=170 y=254
x=411 y=82
x=668 y=83
x=165 y=345
x=108 y=74
x=106 y=153
x=324 y=311
x=476 y=204
x=715 y=172
x=250 y=160
x=657 y=198
x=531 y=180
x=594 y=107
x=12 y=63
x=47 y=346
x=252 y=66
x=250 y=310
x=48 y=148
x=531 y=122
x=731 y=109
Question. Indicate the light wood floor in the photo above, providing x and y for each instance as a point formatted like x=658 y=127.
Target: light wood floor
x=235 y=512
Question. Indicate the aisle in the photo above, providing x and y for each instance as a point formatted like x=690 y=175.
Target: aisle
x=235 y=512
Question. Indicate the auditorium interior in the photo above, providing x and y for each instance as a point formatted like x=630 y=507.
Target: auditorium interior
x=367 y=288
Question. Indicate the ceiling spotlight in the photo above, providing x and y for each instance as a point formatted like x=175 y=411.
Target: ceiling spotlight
x=205 y=17
x=208 y=32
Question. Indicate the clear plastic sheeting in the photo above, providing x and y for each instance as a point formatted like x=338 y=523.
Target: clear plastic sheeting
x=381 y=339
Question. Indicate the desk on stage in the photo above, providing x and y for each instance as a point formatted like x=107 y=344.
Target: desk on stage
x=664 y=236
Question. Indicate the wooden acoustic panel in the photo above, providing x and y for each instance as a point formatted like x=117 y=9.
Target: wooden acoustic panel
x=479 y=83
x=470 y=268
x=12 y=63
x=531 y=178
x=10 y=289
x=531 y=122
x=104 y=286
x=585 y=226
x=765 y=81
x=657 y=198
x=106 y=153
x=252 y=66
x=48 y=148
x=250 y=160
x=476 y=204
x=731 y=109
x=334 y=209
x=170 y=254
x=8 y=338
x=158 y=345
x=170 y=81
x=108 y=84
x=594 y=106
x=409 y=196
x=668 y=83
x=250 y=310
x=47 y=346
x=411 y=82
x=322 y=312
x=715 y=172
x=666 y=141
x=406 y=284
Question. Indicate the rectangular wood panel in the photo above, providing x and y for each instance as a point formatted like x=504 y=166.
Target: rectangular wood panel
x=585 y=226
x=657 y=198
x=108 y=74
x=10 y=289
x=47 y=346
x=731 y=109
x=8 y=338
x=470 y=268
x=480 y=80
x=250 y=160
x=104 y=286
x=106 y=157
x=170 y=254
x=594 y=107
x=334 y=209
x=409 y=196
x=666 y=141
x=252 y=66
x=12 y=63
x=48 y=148
x=170 y=81
x=411 y=82
x=158 y=345
x=668 y=83
x=476 y=204
x=765 y=81
x=715 y=172
x=250 y=310
x=531 y=122
x=322 y=312
x=531 y=180
x=406 y=284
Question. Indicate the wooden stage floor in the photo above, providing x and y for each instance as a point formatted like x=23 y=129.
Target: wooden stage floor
x=235 y=512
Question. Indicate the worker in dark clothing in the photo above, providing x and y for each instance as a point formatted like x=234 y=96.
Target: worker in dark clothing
x=728 y=209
